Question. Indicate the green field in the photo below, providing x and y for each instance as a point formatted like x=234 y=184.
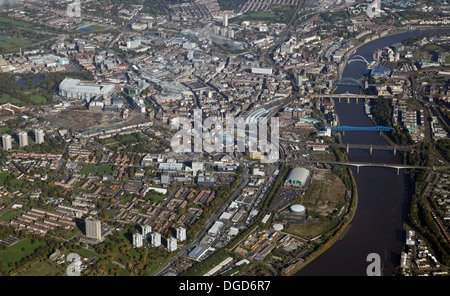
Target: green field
x=38 y=99
x=11 y=214
x=8 y=99
x=15 y=252
x=42 y=269
x=92 y=168
x=95 y=28
x=6 y=42
x=15 y=23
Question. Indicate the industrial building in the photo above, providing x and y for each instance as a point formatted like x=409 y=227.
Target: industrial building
x=297 y=177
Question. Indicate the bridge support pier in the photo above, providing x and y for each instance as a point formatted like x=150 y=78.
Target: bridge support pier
x=370 y=150
x=339 y=99
x=357 y=169
x=398 y=171
x=356 y=100
x=348 y=100
x=395 y=150
x=348 y=148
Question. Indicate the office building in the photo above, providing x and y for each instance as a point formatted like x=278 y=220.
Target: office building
x=181 y=234
x=93 y=228
x=137 y=240
x=23 y=139
x=7 y=142
x=155 y=239
x=171 y=244
x=39 y=135
x=225 y=20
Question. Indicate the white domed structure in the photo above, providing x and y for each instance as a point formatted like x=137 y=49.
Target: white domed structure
x=297 y=177
x=297 y=209
x=278 y=226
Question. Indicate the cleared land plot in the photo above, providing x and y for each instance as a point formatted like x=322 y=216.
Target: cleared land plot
x=325 y=195
x=88 y=120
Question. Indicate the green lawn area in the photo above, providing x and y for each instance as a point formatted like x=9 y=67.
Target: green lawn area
x=6 y=42
x=42 y=269
x=15 y=253
x=92 y=168
x=38 y=99
x=158 y=197
x=82 y=252
x=95 y=28
x=15 y=23
x=128 y=138
x=8 y=99
x=11 y=214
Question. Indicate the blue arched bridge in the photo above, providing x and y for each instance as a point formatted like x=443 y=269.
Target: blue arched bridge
x=361 y=128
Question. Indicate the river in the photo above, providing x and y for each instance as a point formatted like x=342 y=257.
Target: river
x=377 y=226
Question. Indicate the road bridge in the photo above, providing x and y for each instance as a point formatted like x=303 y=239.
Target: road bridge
x=347 y=96
x=398 y=167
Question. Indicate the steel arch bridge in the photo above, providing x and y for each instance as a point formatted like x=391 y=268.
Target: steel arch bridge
x=358 y=58
x=362 y=129
x=349 y=81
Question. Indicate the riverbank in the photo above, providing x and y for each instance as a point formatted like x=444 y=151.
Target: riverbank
x=337 y=233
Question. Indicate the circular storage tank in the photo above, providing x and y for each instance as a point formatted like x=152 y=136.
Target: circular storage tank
x=297 y=209
x=277 y=226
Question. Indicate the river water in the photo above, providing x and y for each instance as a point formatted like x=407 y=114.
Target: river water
x=377 y=226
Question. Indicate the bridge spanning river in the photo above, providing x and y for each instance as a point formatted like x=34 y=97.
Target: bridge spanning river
x=368 y=164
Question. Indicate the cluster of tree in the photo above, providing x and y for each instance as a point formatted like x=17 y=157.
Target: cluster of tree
x=50 y=145
x=382 y=115
x=443 y=146
x=45 y=86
